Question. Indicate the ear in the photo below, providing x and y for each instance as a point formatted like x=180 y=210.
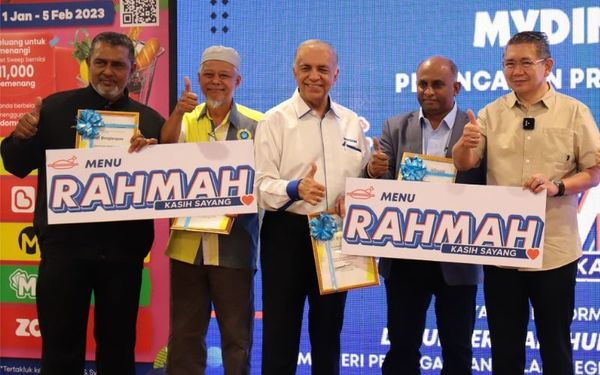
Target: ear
x=238 y=80
x=335 y=75
x=548 y=64
x=457 y=86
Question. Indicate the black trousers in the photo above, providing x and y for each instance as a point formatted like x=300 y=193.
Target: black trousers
x=288 y=278
x=409 y=290
x=64 y=290
x=551 y=293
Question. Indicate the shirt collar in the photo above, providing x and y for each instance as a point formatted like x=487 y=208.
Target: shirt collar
x=302 y=108
x=449 y=119
x=546 y=100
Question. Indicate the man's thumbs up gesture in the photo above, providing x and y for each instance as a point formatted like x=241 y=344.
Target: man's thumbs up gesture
x=309 y=189
x=188 y=100
x=379 y=162
x=28 y=123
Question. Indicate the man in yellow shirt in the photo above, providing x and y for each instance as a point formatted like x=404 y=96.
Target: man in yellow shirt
x=212 y=269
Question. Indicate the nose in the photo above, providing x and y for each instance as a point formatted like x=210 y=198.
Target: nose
x=313 y=75
x=108 y=70
x=518 y=69
x=428 y=90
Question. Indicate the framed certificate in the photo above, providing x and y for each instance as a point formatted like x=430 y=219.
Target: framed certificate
x=105 y=128
x=219 y=224
x=419 y=167
x=337 y=272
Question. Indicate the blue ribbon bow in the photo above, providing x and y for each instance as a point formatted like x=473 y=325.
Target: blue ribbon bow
x=413 y=169
x=323 y=227
x=88 y=123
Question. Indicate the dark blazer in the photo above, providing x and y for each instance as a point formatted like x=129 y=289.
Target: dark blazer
x=403 y=133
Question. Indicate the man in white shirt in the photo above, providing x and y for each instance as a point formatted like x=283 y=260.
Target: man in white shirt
x=305 y=149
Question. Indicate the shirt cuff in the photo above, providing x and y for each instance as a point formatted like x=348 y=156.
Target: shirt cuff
x=368 y=172
x=292 y=190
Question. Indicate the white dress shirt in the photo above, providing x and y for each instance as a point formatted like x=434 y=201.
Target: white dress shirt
x=290 y=137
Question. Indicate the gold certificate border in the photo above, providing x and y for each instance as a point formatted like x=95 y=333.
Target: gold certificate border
x=133 y=117
x=431 y=158
x=320 y=252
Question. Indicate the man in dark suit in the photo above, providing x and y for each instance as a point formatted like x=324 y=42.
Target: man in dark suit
x=410 y=284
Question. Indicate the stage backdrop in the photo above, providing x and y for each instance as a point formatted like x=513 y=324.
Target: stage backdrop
x=379 y=44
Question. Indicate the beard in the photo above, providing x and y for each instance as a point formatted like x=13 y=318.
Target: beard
x=113 y=93
x=211 y=103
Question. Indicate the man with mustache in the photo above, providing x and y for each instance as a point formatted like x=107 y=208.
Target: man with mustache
x=411 y=284
x=209 y=269
x=105 y=258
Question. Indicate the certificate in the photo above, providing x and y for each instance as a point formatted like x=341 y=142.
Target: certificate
x=336 y=271
x=419 y=167
x=105 y=128
x=220 y=224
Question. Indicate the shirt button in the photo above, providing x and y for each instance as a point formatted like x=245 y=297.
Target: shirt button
x=528 y=138
x=526 y=160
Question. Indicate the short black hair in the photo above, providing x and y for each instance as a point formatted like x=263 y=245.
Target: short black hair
x=114 y=39
x=538 y=38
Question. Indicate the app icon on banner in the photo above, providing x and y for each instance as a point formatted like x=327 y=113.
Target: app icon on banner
x=22 y=199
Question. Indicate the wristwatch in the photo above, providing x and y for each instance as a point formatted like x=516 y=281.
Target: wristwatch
x=561 y=187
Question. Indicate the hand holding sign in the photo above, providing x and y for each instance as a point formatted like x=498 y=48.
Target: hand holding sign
x=138 y=141
x=379 y=162
x=538 y=183
x=309 y=189
x=28 y=123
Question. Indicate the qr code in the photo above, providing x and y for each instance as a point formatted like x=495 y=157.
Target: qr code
x=139 y=13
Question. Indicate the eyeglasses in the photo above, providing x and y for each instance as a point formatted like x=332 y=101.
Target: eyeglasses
x=525 y=65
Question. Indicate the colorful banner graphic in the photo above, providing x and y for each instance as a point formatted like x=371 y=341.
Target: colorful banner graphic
x=18 y=284
x=43 y=49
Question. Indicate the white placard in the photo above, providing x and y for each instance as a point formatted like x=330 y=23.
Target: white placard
x=160 y=181
x=460 y=223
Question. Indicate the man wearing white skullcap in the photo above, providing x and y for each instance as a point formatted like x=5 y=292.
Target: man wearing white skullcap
x=210 y=269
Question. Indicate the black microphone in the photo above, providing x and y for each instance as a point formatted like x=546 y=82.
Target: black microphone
x=528 y=123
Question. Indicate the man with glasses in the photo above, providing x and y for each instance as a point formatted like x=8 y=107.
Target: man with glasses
x=545 y=142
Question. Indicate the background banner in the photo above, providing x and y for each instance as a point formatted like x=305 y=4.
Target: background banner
x=43 y=47
x=379 y=45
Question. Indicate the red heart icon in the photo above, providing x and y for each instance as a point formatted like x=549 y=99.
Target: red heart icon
x=533 y=253
x=247 y=199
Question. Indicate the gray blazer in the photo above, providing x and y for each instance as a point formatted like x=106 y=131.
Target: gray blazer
x=403 y=133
